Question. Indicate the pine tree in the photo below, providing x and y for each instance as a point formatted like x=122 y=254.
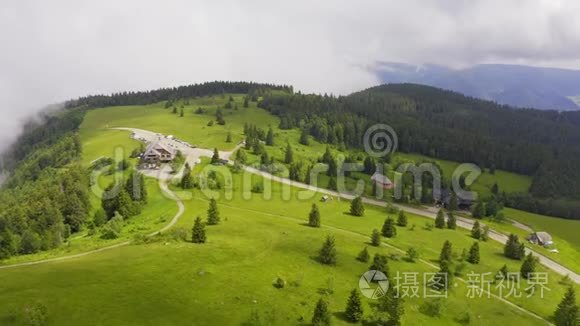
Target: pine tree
x=402 y=219
x=476 y=231
x=446 y=252
x=354 y=309
x=229 y=137
x=363 y=256
x=270 y=137
x=216 y=156
x=376 y=238
x=495 y=189
x=332 y=184
x=304 y=138
x=567 y=312
x=369 y=165
x=327 y=254
x=186 y=180
x=389 y=230
x=440 y=220
x=198 y=231
x=390 y=309
x=213 y=215
x=412 y=254
x=453 y=205
x=314 y=217
x=451 y=221
x=474 y=253
x=478 y=211
x=444 y=278
x=503 y=272
x=321 y=315
x=181 y=112
x=241 y=156
x=246 y=102
x=513 y=248
x=289 y=156
x=381 y=264
x=356 y=207
x=528 y=266
x=485 y=233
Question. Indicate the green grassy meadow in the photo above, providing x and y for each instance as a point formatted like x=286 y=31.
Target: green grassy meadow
x=261 y=237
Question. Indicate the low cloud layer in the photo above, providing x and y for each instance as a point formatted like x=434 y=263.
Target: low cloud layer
x=53 y=51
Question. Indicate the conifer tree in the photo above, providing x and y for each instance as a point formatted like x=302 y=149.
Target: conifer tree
x=381 y=264
x=354 y=309
x=390 y=309
x=314 y=217
x=485 y=233
x=213 y=215
x=229 y=137
x=216 y=156
x=376 y=238
x=304 y=138
x=440 y=220
x=476 y=231
x=402 y=219
x=453 y=205
x=198 y=231
x=528 y=266
x=389 y=230
x=321 y=315
x=356 y=207
x=181 y=112
x=363 y=256
x=327 y=254
x=473 y=256
x=270 y=137
x=567 y=312
x=446 y=252
x=513 y=248
x=289 y=155
x=332 y=184
x=451 y=221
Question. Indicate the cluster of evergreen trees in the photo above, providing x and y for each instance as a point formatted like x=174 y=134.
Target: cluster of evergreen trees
x=46 y=196
x=447 y=125
x=254 y=90
x=125 y=199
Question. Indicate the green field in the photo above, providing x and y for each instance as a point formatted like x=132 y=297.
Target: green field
x=170 y=281
x=258 y=240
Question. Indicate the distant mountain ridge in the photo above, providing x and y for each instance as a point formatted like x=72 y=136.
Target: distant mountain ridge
x=515 y=85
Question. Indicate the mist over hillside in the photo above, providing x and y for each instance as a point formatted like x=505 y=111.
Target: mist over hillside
x=520 y=86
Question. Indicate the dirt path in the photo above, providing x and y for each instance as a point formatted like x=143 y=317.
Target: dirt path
x=164 y=188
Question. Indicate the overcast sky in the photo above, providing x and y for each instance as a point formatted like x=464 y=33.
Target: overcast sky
x=55 y=50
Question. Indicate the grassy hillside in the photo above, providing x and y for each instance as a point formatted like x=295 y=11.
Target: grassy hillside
x=170 y=281
x=230 y=276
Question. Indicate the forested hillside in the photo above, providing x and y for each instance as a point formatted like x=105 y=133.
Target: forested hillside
x=448 y=125
x=46 y=197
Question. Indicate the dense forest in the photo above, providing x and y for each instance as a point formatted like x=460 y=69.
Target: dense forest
x=46 y=197
x=448 y=125
x=168 y=94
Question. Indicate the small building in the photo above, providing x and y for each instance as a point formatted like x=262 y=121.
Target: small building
x=382 y=181
x=157 y=153
x=541 y=238
x=324 y=198
x=444 y=197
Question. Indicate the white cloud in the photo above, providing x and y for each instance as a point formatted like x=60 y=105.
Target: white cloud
x=56 y=50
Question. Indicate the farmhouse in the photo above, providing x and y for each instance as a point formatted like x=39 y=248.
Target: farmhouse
x=541 y=238
x=157 y=153
x=382 y=180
